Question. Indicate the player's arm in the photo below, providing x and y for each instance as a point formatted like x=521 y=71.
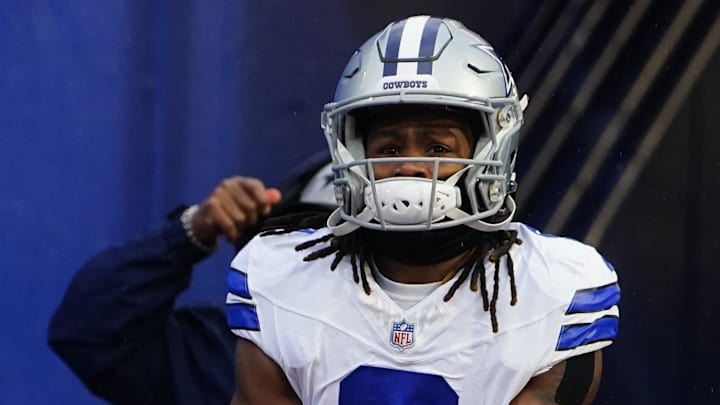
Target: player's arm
x=572 y=382
x=258 y=379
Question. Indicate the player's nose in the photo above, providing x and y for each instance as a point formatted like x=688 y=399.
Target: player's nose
x=413 y=169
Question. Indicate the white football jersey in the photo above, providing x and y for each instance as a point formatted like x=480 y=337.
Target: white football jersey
x=338 y=345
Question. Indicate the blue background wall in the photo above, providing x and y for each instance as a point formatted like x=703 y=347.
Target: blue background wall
x=114 y=112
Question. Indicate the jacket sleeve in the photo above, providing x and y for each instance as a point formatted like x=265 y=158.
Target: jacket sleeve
x=119 y=332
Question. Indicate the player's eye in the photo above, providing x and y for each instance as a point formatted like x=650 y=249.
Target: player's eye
x=438 y=149
x=387 y=150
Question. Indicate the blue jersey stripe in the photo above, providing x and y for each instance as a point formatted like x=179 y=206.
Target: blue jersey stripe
x=238 y=284
x=572 y=336
x=392 y=48
x=242 y=316
x=595 y=299
x=427 y=45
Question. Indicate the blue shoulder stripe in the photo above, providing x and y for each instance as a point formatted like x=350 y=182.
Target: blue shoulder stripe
x=242 y=316
x=572 y=336
x=594 y=299
x=238 y=284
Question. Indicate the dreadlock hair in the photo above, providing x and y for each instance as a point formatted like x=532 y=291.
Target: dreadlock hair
x=493 y=245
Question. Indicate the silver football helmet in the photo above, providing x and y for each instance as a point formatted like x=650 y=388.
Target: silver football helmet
x=427 y=61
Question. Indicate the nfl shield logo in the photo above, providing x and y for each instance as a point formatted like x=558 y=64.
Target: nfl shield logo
x=402 y=335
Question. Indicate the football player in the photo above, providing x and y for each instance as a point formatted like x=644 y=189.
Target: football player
x=436 y=296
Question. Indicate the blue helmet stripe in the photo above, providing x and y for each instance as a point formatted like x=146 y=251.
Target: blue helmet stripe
x=242 y=316
x=238 y=284
x=392 y=48
x=572 y=336
x=594 y=299
x=427 y=45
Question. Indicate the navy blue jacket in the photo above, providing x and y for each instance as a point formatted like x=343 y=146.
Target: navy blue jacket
x=117 y=327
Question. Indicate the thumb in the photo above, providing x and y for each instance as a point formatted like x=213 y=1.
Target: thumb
x=273 y=196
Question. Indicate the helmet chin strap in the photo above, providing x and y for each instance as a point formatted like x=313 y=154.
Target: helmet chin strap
x=339 y=227
x=335 y=221
x=481 y=225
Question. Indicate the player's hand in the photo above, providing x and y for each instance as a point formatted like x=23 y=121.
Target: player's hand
x=236 y=204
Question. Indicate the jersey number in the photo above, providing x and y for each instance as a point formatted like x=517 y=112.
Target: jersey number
x=384 y=386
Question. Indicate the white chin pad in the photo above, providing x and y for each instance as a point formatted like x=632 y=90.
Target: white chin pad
x=406 y=200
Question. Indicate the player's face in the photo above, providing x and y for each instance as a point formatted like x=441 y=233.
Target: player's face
x=417 y=136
